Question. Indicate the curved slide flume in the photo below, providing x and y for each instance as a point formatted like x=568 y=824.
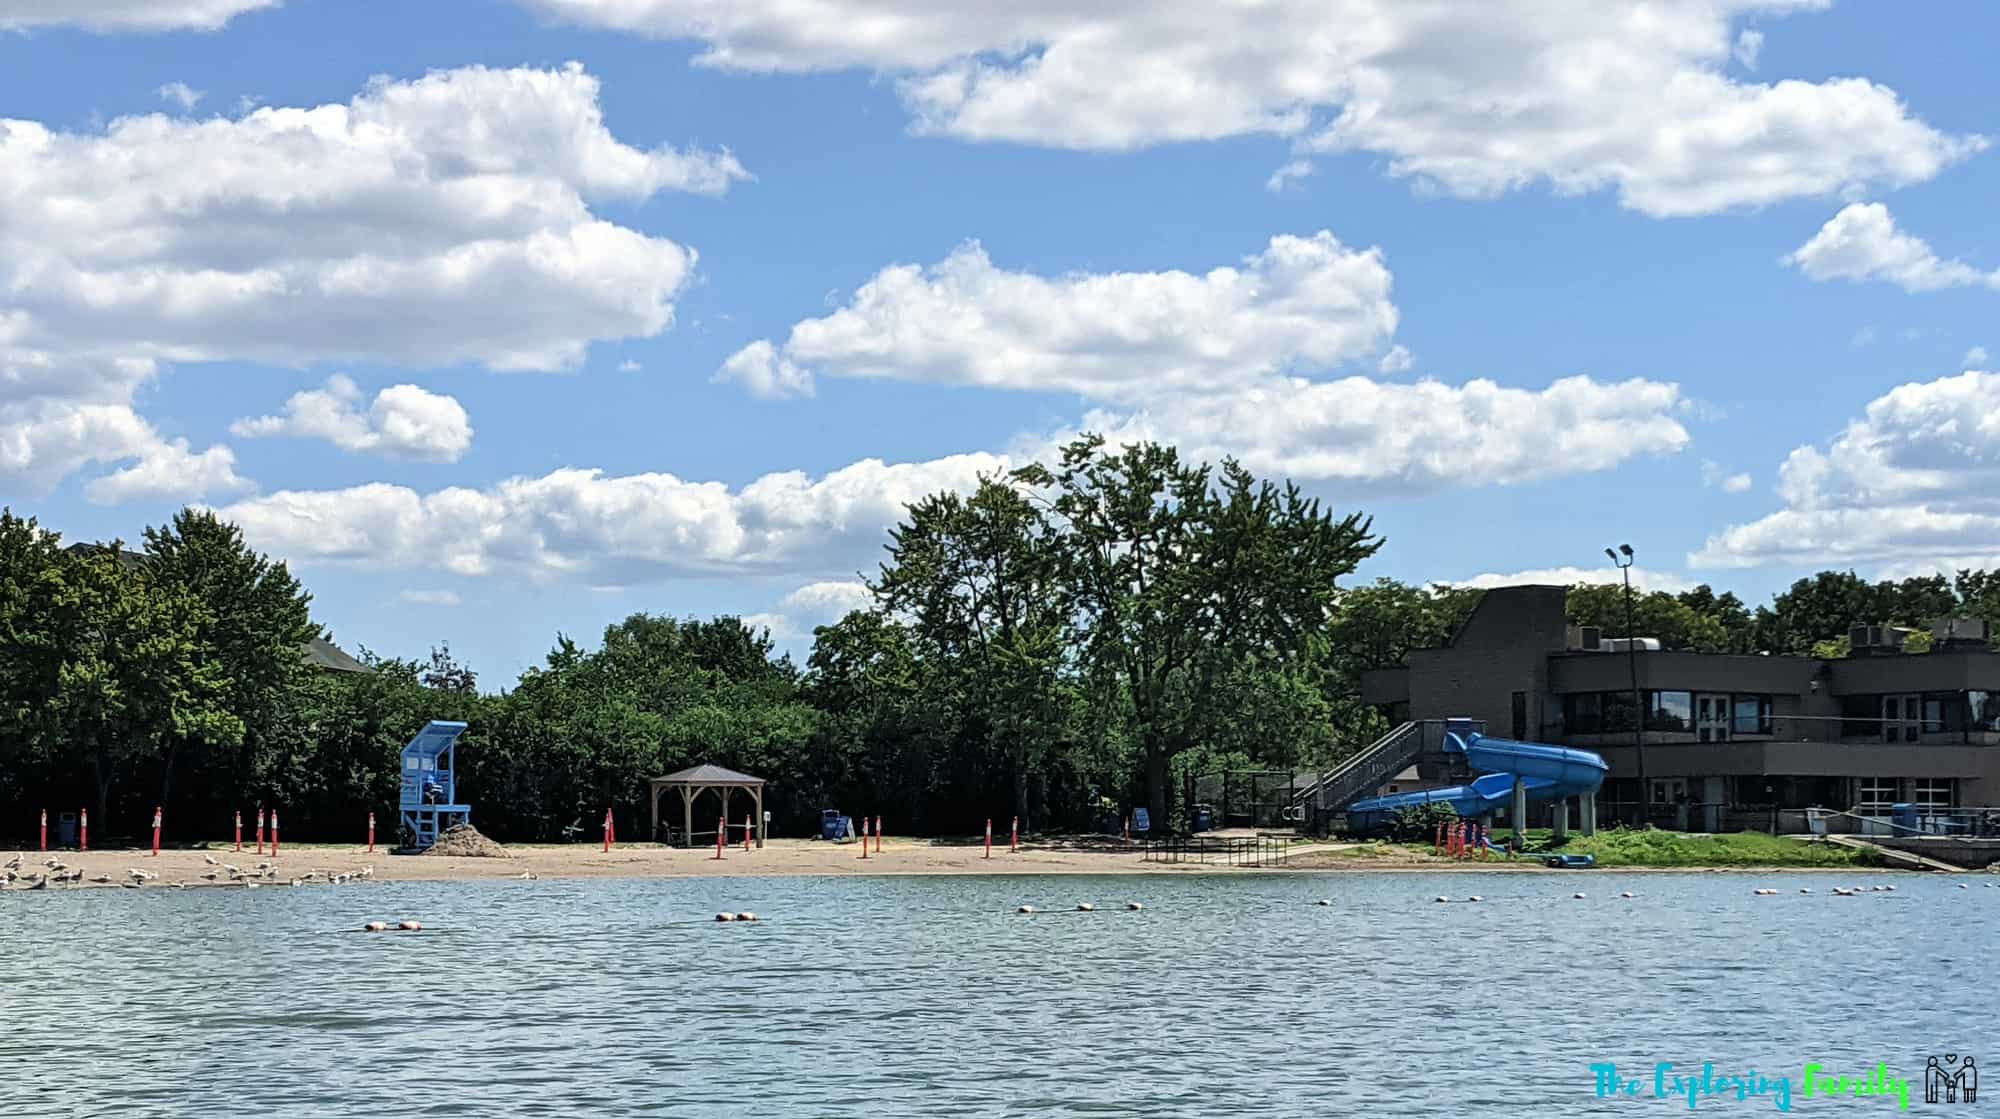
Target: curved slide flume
x=1547 y=772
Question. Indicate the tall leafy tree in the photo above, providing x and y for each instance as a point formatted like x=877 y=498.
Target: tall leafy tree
x=1177 y=576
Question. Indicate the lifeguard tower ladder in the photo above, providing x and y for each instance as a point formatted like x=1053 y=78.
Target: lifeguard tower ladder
x=430 y=784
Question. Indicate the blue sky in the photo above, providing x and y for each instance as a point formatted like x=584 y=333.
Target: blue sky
x=505 y=317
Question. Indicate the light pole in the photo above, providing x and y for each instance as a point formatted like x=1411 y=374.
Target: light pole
x=1622 y=559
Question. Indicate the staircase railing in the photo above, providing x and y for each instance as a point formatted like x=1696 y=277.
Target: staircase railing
x=1373 y=766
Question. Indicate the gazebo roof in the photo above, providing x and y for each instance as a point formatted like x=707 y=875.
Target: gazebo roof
x=708 y=775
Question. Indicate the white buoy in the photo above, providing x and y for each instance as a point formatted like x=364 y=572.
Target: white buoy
x=1626 y=894
x=375 y=926
x=410 y=926
x=1475 y=897
x=725 y=916
x=746 y=916
x=1963 y=886
x=1578 y=895
x=1025 y=909
x=1805 y=889
x=1323 y=901
x=1134 y=906
x=1085 y=907
x=1441 y=897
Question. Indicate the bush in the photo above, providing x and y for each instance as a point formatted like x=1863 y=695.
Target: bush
x=1419 y=822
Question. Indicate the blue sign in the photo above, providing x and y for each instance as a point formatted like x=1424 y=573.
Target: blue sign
x=1140 y=821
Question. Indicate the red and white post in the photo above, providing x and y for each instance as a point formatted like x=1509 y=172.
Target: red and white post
x=878 y=835
x=721 y=834
x=260 y=829
x=749 y=832
x=607 y=831
x=864 y=837
x=45 y=829
x=156 y=831
x=1014 y=836
x=84 y=832
x=274 y=833
x=371 y=832
x=989 y=837
x=239 y=830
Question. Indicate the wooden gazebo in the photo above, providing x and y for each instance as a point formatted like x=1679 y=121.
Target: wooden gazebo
x=703 y=778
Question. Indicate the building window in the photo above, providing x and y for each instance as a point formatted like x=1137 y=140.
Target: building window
x=1582 y=714
x=1671 y=712
x=1874 y=795
x=1618 y=715
x=1753 y=715
x=1983 y=712
x=1932 y=793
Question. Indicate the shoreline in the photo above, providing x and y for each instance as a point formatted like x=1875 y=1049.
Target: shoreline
x=187 y=868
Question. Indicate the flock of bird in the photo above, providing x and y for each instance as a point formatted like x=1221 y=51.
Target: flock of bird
x=55 y=872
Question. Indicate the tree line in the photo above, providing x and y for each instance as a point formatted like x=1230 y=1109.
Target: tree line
x=1066 y=639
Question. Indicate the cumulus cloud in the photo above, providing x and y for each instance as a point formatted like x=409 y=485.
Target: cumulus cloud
x=608 y=530
x=815 y=604
x=1642 y=579
x=403 y=422
x=1862 y=242
x=1370 y=438
x=1287 y=175
x=180 y=93
x=1398 y=360
x=429 y=598
x=1124 y=336
x=423 y=223
x=1715 y=475
x=1476 y=99
x=1976 y=357
x=1749 y=44
x=1911 y=484
x=125 y=15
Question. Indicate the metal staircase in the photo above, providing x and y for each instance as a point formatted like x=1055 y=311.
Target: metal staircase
x=1361 y=775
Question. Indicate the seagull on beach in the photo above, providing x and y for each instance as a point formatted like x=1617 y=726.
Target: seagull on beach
x=53 y=863
x=234 y=872
x=365 y=872
x=209 y=859
x=13 y=863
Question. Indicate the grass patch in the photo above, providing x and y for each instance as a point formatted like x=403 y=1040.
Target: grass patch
x=1620 y=847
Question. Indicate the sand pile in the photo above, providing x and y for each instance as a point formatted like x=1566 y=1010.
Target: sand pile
x=464 y=841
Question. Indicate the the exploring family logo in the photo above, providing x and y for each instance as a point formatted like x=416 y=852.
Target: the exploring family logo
x=1947 y=1079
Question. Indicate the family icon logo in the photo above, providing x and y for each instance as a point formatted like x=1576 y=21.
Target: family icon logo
x=1951 y=1080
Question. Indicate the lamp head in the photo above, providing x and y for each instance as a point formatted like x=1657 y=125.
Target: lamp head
x=1612 y=554
x=1625 y=550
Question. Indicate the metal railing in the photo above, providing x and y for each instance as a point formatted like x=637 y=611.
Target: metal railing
x=1378 y=763
x=1255 y=851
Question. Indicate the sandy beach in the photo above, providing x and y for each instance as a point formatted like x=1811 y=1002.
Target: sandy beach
x=316 y=863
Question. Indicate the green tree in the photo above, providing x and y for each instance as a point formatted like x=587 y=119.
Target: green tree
x=1177 y=576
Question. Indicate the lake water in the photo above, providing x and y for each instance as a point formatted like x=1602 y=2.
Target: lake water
x=929 y=996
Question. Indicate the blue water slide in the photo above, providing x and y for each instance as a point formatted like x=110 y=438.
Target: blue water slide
x=1547 y=772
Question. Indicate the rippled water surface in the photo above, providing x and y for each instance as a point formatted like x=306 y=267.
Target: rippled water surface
x=930 y=996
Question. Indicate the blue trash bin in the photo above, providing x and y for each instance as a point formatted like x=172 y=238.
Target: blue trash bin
x=1904 y=817
x=831 y=824
x=1204 y=817
x=66 y=830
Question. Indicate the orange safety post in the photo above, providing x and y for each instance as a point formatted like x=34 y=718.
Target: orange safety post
x=1437 y=841
x=156 y=831
x=878 y=835
x=239 y=830
x=749 y=830
x=721 y=834
x=371 y=832
x=864 y=837
x=260 y=829
x=45 y=829
x=607 y=830
x=989 y=837
x=85 y=833
x=1014 y=836
x=274 y=833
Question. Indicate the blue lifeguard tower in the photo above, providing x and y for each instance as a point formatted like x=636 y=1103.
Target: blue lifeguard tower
x=429 y=798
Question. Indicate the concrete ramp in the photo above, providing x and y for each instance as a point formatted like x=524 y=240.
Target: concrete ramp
x=1908 y=860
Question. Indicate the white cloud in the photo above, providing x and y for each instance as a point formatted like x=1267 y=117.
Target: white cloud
x=403 y=422
x=584 y=525
x=180 y=93
x=1398 y=360
x=1976 y=357
x=629 y=366
x=764 y=373
x=1862 y=242
x=1288 y=174
x=125 y=15
x=815 y=604
x=1126 y=336
x=1642 y=579
x=1909 y=485
x=1749 y=44
x=1477 y=99
x=430 y=598
x=1715 y=475
x=423 y=223
x=1365 y=437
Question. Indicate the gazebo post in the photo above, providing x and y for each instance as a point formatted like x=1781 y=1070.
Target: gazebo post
x=655 y=834
x=722 y=794
x=757 y=793
x=687 y=816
